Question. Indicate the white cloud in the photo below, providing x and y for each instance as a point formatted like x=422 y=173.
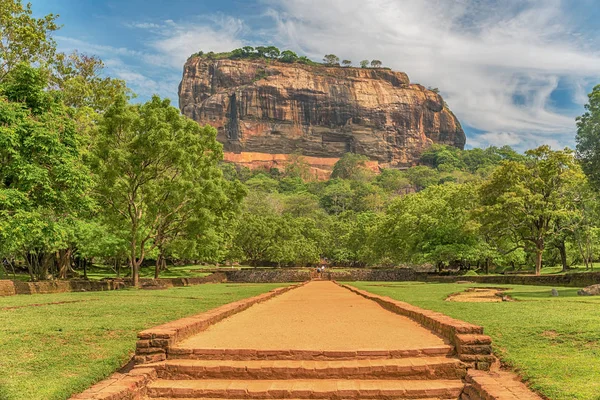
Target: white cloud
x=176 y=41
x=482 y=54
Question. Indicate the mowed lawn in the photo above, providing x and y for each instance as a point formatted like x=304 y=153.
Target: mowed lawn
x=553 y=342
x=53 y=351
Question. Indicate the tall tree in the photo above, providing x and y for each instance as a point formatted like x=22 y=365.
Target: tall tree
x=526 y=201
x=155 y=170
x=331 y=59
x=43 y=181
x=24 y=38
x=588 y=138
x=349 y=166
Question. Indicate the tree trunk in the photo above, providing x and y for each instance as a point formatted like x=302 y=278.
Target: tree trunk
x=85 y=263
x=159 y=262
x=538 y=261
x=63 y=257
x=562 y=249
x=134 y=264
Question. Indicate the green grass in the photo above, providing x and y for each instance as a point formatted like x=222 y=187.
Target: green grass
x=52 y=351
x=553 y=342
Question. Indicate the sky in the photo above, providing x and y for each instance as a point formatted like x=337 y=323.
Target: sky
x=515 y=72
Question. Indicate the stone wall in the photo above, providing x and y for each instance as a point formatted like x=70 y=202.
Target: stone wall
x=268 y=275
x=389 y=275
x=9 y=287
x=573 y=280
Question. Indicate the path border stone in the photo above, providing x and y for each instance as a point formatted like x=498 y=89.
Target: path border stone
x=12 y=287
x=472 y=346
x=153 y=345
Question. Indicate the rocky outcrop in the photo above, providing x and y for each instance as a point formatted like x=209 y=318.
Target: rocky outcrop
x=265 y=111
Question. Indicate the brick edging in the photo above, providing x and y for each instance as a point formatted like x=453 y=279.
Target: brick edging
x=153 y=344
x=132 y=385
x=500 y=385
x=472 y=346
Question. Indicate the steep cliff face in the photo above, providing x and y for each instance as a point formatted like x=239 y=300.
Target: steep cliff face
x=265 y=111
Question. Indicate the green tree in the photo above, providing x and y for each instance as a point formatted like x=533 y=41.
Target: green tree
x=376 y=64
x=24 y=38
x=288 y=56
x=261 y=51
x=588 y=138
x=433 y=226
x=526 y=201
x=272 y=52
x=337 y=197
x=346 y=63
x=350 y=166
x=44 y=185
x=156 y=170
x=331 y=59
x=364 y=64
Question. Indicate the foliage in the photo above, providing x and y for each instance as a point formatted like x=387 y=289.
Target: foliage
x=364 y=64
x=24 y=39
x=350 y=166
x=331 y=59
x=44 y=185
x=157 y=175
x=376 y=63
x=588 y=138
x=527 y=201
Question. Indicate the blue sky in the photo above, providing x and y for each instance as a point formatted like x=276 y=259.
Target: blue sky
x=515 y=72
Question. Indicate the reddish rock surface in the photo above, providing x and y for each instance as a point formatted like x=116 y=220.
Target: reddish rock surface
x=266 y=111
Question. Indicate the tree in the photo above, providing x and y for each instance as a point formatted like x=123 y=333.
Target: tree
x=261 y=51
x=44 y=185
x=272 y=52
x=288 y=56
x=346 y=63
x=156 y=171
x=331 y=59
x=364 y=64
x=588 y=138
x=526 y=201
x=432 y=226
x=337 y=196
x=349 y=166
x=248 y=51
x=376 y=64
x=305 y=60
x=23 y=38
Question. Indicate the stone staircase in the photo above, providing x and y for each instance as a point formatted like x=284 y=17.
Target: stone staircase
x=283 y=375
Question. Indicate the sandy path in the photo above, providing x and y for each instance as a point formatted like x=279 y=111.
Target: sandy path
x=317 y=316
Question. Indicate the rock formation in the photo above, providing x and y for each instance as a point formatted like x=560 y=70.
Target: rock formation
x=265 y=111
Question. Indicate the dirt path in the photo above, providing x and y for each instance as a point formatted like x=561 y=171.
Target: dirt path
x=317 y=316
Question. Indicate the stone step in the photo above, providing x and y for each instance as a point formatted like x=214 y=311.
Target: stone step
x=228 y=398
x=253 y=354
x=399 y=368
x=306 y=389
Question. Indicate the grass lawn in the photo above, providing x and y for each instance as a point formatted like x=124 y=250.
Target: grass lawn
x=52 y=351
x=553 y=342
